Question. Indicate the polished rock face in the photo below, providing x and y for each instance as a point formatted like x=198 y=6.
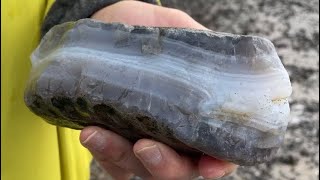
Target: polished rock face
x=198 y=91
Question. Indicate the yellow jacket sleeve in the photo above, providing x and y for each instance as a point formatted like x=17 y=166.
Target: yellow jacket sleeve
x=31 y=148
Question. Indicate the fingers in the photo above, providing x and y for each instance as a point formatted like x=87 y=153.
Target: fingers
x=162 y=161
x=116 y=172
x=140 y=13
x=213 y=168
x=113 y=152
x=148 y=158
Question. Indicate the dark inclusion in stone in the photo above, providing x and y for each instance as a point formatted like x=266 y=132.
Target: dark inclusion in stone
x=197 y=91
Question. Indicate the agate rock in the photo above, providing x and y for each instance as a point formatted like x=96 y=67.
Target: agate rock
x=198 y=91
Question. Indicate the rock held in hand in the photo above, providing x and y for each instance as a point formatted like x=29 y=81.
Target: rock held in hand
x=198 y=91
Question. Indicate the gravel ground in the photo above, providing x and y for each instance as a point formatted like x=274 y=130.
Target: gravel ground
x=293 y=26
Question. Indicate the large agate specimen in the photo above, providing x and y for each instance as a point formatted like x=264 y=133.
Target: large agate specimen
x=197 y=91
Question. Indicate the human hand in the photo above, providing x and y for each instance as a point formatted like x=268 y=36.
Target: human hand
x=147 y=158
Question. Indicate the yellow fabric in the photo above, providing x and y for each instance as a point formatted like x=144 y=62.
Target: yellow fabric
x=31 y=149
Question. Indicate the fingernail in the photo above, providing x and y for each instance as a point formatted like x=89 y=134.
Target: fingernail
x=150 y=155
x=94 y=141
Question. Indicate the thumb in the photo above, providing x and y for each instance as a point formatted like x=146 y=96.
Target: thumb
x=140 y=13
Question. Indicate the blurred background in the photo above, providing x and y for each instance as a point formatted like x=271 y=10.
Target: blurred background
x=293 y=27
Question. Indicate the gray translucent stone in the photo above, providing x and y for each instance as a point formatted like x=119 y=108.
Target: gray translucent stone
x=198 y=91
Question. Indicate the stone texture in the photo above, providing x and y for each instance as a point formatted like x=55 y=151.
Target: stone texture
x=198 y=91
x=293 y=27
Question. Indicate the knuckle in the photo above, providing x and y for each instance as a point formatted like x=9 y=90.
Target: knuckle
x=179 y=12
x=120 y=157
x=176 y=177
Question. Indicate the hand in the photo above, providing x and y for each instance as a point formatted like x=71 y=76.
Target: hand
x=147 y=158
